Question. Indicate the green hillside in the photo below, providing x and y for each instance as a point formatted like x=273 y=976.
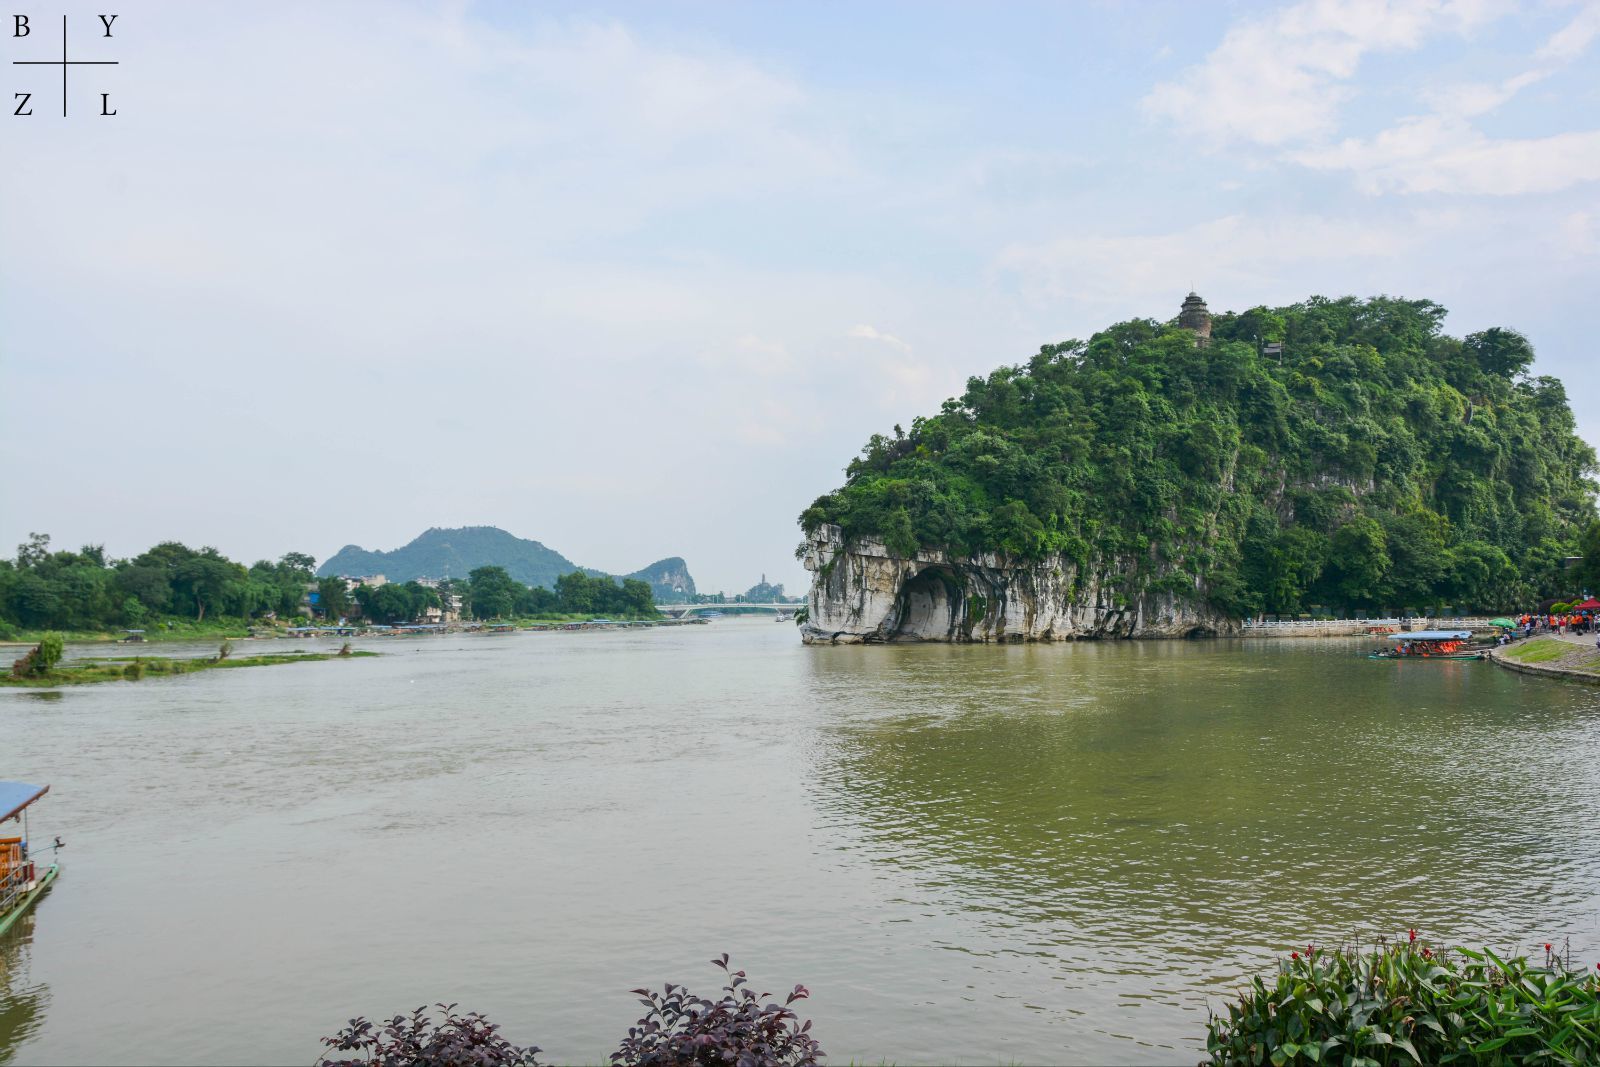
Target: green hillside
x=1373 y=462
x=440 y=553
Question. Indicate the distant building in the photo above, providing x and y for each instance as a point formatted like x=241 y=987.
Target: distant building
x=371 y=581
x=1194 y=317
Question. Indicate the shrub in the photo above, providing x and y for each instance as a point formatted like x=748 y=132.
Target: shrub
x=417 y=1041
x=225 y=651
x=1407 y=1003
x=134 y=671
x=741 y=1027
x=41 y=659
x=344 y=649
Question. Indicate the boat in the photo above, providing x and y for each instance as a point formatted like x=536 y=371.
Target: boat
x=1431 y=644
x=21 y=881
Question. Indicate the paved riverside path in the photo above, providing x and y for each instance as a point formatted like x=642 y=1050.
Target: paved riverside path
x=1580 y=664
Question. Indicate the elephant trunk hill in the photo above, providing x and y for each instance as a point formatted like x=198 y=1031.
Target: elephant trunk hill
x=1164 y=479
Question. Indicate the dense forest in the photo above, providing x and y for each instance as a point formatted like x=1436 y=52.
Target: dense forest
x=87 y=591
x=1336 y=454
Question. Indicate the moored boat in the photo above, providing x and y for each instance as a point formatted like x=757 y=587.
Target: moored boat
x=1431 y=644
x=22 y=882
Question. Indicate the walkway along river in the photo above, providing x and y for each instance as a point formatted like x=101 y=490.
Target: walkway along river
x=1042 y=853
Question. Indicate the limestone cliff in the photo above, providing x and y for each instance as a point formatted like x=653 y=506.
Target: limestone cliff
x=861 y=592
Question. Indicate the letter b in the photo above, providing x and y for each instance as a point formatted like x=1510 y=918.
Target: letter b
x=20 y=26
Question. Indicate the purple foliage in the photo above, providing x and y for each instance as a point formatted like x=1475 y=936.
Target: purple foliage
x=417 y=1041
x=742 y=1029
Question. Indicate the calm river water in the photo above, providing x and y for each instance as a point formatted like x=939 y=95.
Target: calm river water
x=986 y=854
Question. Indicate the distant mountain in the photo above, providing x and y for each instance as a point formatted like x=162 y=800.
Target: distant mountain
x=670 y=579
x=439 y=553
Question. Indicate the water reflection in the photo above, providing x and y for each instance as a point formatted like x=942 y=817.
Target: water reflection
x=1021 y=854
x=22 y=1003
x=1150 y=820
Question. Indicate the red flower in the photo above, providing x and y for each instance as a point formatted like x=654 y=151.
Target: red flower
x=1547 y=946
x=1427 y=953
x=1296 y=955
x=1413 y=933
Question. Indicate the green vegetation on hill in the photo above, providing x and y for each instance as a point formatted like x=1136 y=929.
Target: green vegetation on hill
x=174 y=591
x=494 y=594
x=1374 y=462
x=440 y=553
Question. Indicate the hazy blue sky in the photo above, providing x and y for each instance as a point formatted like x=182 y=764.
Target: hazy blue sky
x=638 y=281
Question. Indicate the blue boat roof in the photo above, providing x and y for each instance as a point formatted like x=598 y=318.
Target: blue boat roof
x=1433 y=635
x=14 y=796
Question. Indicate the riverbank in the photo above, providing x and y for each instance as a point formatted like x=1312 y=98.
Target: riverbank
x=163 y=631
x=135 y=668
x=233 y=629
x=1569 y=656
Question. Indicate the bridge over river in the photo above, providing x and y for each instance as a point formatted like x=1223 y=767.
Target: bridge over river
x=683 y=611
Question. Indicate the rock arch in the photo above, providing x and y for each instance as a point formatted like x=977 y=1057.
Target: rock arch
x=928 y=606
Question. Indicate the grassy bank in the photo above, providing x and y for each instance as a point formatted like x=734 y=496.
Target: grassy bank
x=135 y=668
x=164 y=630
x=1550 y=652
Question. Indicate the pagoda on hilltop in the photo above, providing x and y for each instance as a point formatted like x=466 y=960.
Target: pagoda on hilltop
x=1194 y=317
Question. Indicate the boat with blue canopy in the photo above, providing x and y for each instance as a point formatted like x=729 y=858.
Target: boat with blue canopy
x=1431 y=644
x=22 y=881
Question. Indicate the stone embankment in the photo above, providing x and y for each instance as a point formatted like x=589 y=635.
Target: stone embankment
x=864 y=593
x=1579 y=663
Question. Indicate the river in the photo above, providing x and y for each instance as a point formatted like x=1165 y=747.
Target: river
x=1041 y=853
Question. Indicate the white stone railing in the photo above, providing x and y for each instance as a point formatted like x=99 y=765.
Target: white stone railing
x=1415 y=621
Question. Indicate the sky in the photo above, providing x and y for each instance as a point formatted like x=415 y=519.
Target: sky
x=639 y=280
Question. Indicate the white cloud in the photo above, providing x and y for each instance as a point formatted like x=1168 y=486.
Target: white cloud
x=1573 y=39
x=1279 y=81
x=1282 y=78
x=872 y=333
x=1442 y=155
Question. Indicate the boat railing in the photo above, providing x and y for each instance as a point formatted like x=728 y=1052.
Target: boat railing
x=16 y=872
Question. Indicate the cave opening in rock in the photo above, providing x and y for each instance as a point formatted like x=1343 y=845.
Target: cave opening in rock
x=928 y=605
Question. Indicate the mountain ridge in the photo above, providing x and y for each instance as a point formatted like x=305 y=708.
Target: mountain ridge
x=454 y=552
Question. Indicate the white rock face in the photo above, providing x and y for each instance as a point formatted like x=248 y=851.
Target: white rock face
x=866 y=593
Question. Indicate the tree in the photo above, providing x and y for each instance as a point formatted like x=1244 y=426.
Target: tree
x=1589 y=569
x=203 y=580
x=1359 y=562
x=333 y=598
x=34 y=551
x=1500 y=352
x=494 y=592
